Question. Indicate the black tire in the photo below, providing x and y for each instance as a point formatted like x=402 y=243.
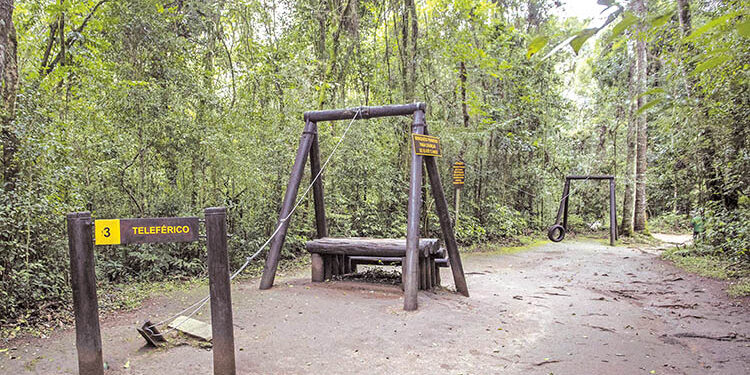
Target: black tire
x=555 y=229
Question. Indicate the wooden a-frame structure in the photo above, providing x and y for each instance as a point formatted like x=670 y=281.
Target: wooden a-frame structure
x=308 y=144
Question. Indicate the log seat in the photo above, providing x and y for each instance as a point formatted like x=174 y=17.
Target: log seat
x=338 y=256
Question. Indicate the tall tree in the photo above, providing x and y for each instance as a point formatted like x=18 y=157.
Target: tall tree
x=408 y=49
x=639 y=221
x=9 y=76
x=683 y=14
x=626 y=227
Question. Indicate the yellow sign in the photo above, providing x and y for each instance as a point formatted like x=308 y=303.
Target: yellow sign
x=107 y=232
x=426 y=145
x=459 y=173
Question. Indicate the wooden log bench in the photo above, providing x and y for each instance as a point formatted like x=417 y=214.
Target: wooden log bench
x=339 y=256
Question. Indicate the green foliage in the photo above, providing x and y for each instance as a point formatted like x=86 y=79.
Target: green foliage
x=582 y=37
x=536 y=45
x=469 y=231
x=165 y=110
x=727 y=233
x=628 y=20
x=670 y=222
x=505 y=222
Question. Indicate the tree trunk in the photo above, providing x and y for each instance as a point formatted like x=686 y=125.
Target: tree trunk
x=409 y=31
x=9 y=76
x=628 y=205
x=464 y=110
x=639 y=221
x=683 y=14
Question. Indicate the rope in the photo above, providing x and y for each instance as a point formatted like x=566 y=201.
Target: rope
x=250 y=258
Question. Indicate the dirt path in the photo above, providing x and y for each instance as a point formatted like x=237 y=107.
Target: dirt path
x=565 y=308
x=673 y=239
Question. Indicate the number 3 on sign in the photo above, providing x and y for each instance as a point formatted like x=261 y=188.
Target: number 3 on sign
x=107 y=232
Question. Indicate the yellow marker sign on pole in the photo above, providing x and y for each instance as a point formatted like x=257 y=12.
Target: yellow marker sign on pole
x=107 y=232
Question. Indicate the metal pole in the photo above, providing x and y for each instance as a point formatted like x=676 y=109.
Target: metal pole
x=612 y=213
x=272 y=261
x=83 y=283
x=441 y=205
x=219 y=288
x=411 y=265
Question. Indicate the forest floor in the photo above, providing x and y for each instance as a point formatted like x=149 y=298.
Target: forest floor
x=557 y=308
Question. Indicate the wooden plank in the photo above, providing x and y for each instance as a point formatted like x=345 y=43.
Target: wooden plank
x=192 y=327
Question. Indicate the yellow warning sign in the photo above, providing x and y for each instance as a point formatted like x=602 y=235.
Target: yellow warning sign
x=426 y=145
x=107 y=232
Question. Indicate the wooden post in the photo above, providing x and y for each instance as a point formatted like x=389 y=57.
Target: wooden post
x=219 y=286
x=441 y=205
x=437 y=275
x=327 y=267
x=411 y=261
x=272 y=261
x=318 y=267
x=320 y=209
x=428 y=270
x=83 y=283
x=318 y=272
x=612 y=213
x=566 y=199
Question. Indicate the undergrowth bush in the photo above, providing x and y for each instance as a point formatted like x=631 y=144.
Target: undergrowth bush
x=670 y=223
x=727 y=232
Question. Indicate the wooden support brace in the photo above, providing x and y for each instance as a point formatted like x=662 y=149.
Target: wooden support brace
x=441 y=205
x=272 y=261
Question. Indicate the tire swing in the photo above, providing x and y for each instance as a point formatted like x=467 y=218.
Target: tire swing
x=556 y=232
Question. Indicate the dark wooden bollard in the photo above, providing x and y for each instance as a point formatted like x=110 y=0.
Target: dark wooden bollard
x=83 y=282
x=221 y=294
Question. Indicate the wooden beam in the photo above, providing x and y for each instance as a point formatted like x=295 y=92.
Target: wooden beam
x=272 y=261
x=361 y=113
x=441 y=205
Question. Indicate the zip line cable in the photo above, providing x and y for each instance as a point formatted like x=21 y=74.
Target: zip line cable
x=202 y=302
